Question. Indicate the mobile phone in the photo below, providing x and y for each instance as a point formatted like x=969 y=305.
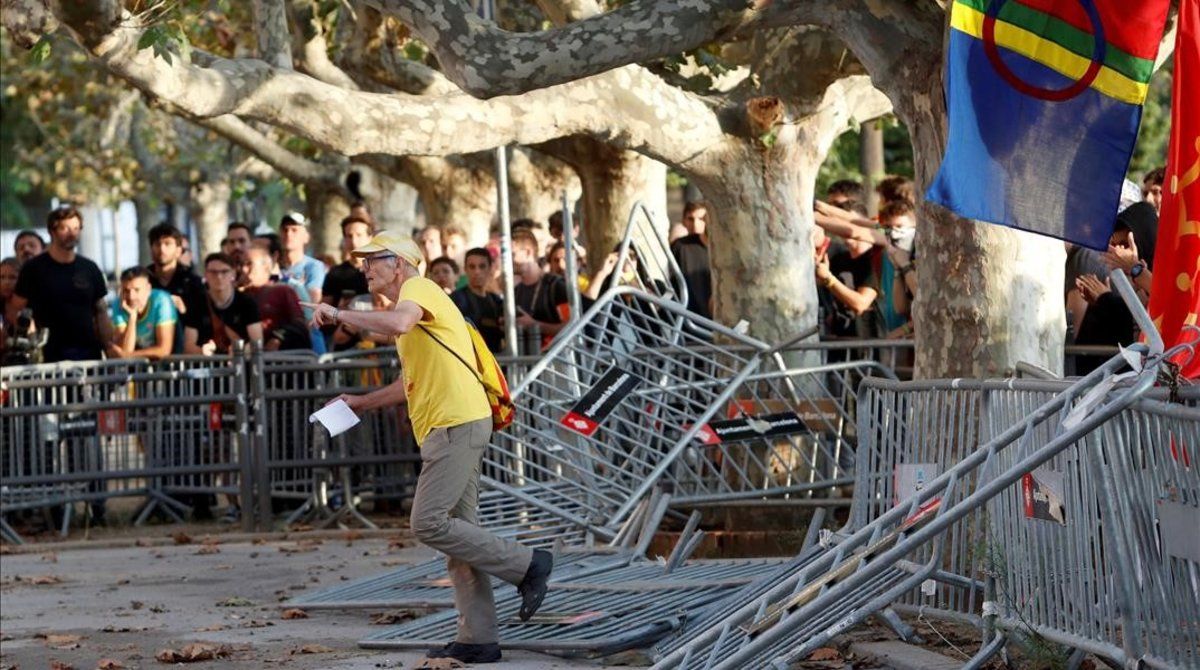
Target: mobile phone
x=824 y=247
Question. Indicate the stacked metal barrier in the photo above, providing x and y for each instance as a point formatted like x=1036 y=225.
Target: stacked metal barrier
x=825 y=592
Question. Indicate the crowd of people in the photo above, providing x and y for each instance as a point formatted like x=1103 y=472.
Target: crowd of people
x=256 y=286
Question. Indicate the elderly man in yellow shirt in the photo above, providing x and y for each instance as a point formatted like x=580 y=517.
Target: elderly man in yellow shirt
x=453 y=424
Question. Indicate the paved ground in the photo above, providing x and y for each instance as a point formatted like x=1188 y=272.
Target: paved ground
x=81 y=606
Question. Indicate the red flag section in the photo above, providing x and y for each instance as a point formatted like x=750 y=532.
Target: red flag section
x=1175 y=292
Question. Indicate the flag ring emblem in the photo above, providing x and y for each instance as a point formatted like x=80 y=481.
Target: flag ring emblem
x=1099 y=50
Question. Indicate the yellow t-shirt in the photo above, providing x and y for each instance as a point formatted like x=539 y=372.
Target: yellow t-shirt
x=441 y=391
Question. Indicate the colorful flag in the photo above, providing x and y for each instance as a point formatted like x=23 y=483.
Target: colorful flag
x=1045 y=98
x=1175 y=291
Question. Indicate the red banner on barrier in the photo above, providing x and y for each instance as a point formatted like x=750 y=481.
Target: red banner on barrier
x=111 y=422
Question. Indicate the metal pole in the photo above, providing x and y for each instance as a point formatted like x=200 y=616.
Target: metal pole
x=487 y=11
x=506 y=259
x=572 y=266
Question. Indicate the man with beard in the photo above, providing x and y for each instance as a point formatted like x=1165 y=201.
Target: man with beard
x=66 y=293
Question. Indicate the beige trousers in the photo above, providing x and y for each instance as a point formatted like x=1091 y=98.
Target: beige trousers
x=444 y=516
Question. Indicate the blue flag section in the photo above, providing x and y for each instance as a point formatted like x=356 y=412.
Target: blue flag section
x=1043 y=114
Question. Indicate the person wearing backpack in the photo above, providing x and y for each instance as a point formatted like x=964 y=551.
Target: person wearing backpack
x=456 y=396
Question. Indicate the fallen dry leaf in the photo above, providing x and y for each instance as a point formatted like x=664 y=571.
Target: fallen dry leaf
x=207 y=549
x=109 y=664
x=50 y=557
x=438 y=664
x=294 y=613
x=236 y=601
x=142 y=542
x=60 y=640
x=257 y=623
x=45 y=579
x=60 y=665
x=825 y=654
x=398 y=543
x=213 y=628
x=196 y=651
x=182 y=538
x=312 y=649
x=395 y=616
x=136 y=604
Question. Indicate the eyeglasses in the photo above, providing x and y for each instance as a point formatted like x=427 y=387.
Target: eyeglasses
x=371 y=259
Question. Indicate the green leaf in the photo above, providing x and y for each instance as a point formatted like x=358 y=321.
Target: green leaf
x=150 y=38
x=768 y=139
x=40 y=51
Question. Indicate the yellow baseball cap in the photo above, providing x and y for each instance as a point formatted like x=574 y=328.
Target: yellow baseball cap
x=387 y=241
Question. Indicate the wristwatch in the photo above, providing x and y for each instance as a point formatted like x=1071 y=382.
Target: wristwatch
x=1137 y=269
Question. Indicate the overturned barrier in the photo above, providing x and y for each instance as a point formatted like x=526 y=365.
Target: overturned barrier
x=828 y=591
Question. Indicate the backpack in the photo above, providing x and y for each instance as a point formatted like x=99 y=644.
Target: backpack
x=491 y=377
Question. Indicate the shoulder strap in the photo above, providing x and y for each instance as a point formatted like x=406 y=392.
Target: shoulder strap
x=454 y=353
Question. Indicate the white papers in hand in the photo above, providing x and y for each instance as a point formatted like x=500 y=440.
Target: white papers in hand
x=337 y=417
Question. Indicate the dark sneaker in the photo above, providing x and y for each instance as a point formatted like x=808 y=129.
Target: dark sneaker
x=468 y=653
x=533 y=586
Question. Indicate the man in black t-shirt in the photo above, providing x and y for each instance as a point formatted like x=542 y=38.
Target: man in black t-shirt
x=481 y=307
x=845 y=274
x=541 y=297
x=227 y=316
x=66 y=293
x=346 y=280
x=170 y=274
x=691 y=253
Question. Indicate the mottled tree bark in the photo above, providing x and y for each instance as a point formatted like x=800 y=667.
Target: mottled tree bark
x=613 y=180
x=988 y=297
x=208 y=203
x=325 y=209
x=536 y=183
x=147 y=207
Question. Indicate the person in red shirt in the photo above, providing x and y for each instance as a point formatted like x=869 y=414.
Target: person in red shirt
x=283 y=321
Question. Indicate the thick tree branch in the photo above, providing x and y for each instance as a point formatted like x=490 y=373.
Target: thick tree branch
x=312 y=49
x=288 y=164
x=271 y=30
x=373 y=52
x=655 y=119
x=486 y=61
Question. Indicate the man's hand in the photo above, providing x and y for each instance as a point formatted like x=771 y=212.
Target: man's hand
x=179 y=306
x=130 y=310
x=823 y=273
x=324 y=314
x=354 y=402
x=208 y=348
x=524 y=320
x=1121 y=257
x=1091 y=288
x=899 y=257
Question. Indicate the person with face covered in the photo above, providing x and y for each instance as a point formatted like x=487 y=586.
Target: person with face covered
x=66 y=293
x=143 y=317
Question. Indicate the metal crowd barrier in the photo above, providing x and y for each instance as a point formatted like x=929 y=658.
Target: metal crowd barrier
x=92 y=431
x=595 y=614
x=424 y=585
x=825 y=592
x=1099 y=550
